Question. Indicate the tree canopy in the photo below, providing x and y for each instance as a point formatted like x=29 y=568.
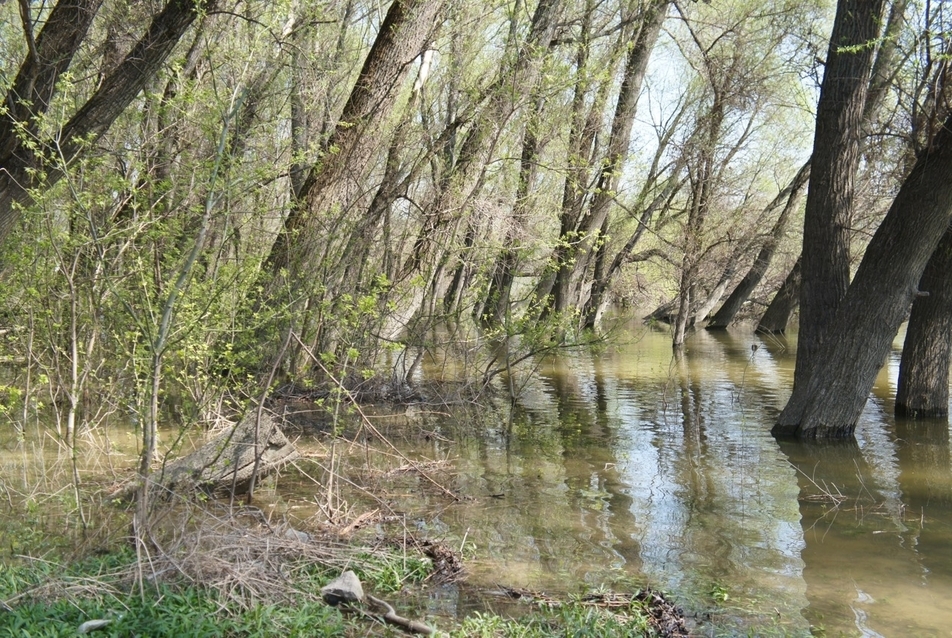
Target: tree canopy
x=202 y=195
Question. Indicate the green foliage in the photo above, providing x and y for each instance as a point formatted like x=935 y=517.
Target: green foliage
x=389 y=572
x=161 y=611
x=572 y=619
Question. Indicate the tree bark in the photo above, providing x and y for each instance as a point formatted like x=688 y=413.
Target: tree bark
x=783 y=305
x=924 y=368
x=336 y=180
x=790 y=194
x=829 y=404
x=829 y=207
x=50 y=55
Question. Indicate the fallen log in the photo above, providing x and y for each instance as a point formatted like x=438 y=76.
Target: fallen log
x=226 y=464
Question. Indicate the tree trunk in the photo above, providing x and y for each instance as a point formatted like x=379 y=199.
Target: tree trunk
x=226 y=464
x=49 y=56
x=829 y=207
x=580 y=240
x=495 y=307
x=878 y=301
x=924 y=369
x=781 y=309
x=725 y=316
x=333 y=183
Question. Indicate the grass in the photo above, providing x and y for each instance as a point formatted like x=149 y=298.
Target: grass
x=573 y=619
x=45 y=599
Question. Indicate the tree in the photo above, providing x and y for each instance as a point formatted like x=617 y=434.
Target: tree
x=858 y=338
x=825 y=264
x=781 y=309
x=923 y=389
x=305 y=258
x=581 y=221
x=32 y=160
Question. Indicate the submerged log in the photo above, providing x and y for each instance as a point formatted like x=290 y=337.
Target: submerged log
x=225 y=465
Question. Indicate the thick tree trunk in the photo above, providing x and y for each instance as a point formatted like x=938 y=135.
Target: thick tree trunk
x=829 y=207
x=333 y=184
x=878 y=301
x=50 y=55
x=781 y=309
x=790 y=194
x=924 y=369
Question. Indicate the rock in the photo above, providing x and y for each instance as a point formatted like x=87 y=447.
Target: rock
x=296 y=535
x=93 y=625
x=345 y=588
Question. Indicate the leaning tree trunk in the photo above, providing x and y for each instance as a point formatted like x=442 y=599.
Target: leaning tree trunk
x=924 y=369
x=829 y=404
x=781 y=309
x=791 y=194
x=22 y=162
x=50 y=54
x=827 y=220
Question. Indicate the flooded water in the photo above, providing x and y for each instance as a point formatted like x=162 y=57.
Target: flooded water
x=628 y=466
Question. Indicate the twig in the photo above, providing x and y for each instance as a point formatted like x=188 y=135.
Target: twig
x=412 y=626
x=370 y=425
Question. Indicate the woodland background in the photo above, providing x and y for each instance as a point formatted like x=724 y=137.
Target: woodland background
x=202 y=201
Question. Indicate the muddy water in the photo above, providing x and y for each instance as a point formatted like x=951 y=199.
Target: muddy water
x=628 y=466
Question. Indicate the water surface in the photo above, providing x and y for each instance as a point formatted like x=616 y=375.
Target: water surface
x=630 y=466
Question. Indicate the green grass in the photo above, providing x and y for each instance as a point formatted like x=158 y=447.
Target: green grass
x=570 y=620
x=59 y=599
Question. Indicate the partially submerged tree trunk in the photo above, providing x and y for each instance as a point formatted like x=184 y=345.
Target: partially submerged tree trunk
x=830 y=402
x=791 y=194
x=226 y=464
x=829 y=207
x=924 y=369
x=784 y=304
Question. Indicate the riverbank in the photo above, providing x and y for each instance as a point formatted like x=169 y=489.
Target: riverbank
x=213 y=570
